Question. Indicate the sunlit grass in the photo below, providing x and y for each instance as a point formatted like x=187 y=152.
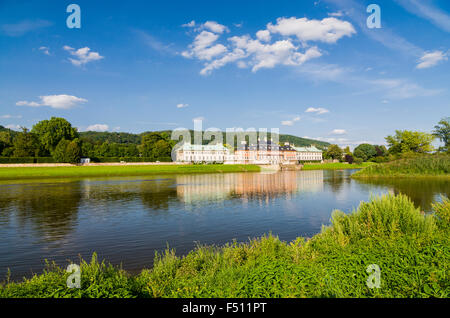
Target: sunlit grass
x=421 y=166
x=8 y=173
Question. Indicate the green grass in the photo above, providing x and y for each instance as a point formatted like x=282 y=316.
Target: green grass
x=422 y=166
x=100 y=171
x=336 y=166
x=412 y=250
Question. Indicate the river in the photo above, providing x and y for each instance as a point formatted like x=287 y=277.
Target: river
x=126 y=219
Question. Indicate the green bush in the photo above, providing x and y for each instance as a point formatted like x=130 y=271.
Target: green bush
x=17 y=160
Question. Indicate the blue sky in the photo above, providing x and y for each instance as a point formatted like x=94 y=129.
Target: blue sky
x=309 y=68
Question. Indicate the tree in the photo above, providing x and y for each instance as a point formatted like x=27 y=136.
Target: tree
x=26 y=144
x=162 y=150
x=5 y=140
x=365 y=151
x=334 y=152
x=51 y=132
x=381 y=151
x=442 y=131
x=347 y=151
x=73 y=151
x=59 y=153
x=349 y=158
x=405 y=141
x=156 y=146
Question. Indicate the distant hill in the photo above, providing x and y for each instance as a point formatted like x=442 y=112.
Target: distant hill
x=128 y=138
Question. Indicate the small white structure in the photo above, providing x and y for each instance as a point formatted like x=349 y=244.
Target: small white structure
x=85 y=160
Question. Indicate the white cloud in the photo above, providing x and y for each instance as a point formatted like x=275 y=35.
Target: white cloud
x=318 y=111
x=338 y=132
x=290 y=122
x=182 y=105
x=98 y=127
x=55 y=101
x=189 y=25
x=10 y=116
x=203 y=48
x=215 y=27
x=258 y=53
x=328 y=30
x=82 y=55
x=287 y=123
x=263 y=35
x=13 y=127
x=45 y=50
x=431 y=59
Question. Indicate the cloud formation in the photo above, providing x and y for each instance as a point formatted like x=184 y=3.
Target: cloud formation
x=55 y=101
x=318 y=111
x=98 y=127
x=431 y=59
x=290 y=122
x=82 y=56
x=182 y=105
x=291 y=47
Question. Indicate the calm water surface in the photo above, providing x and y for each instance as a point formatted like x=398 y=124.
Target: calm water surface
x=125 y=220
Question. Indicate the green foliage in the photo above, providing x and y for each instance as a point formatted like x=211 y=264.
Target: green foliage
x=51 y=132
x=59 y=153
x=424 y=165
x=442 y=131
x=405 y=141
x=365 y=152
x=358 y=161
x=26 y=144
x=73 y=151
x=411 y=249
x=156 y=146
x=334 y=152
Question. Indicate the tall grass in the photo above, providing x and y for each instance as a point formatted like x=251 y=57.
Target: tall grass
x=412 y=250
x=427 y=165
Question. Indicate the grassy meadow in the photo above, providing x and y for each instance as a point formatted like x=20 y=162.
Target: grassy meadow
x=420 y=166
x=411 y=249
x=8 y=173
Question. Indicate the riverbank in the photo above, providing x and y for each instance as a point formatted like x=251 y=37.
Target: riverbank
x=14 y=173
x=434 y=166
x=336 y=166
x=410 y=249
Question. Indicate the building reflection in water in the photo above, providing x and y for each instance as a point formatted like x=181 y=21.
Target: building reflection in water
x=247 y=186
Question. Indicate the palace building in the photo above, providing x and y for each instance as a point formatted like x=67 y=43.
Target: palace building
x=260 y=153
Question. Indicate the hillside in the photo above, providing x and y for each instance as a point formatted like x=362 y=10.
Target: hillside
x=129 y=138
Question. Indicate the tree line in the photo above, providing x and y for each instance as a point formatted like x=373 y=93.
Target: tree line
x=403 y=143
x=59 y=141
